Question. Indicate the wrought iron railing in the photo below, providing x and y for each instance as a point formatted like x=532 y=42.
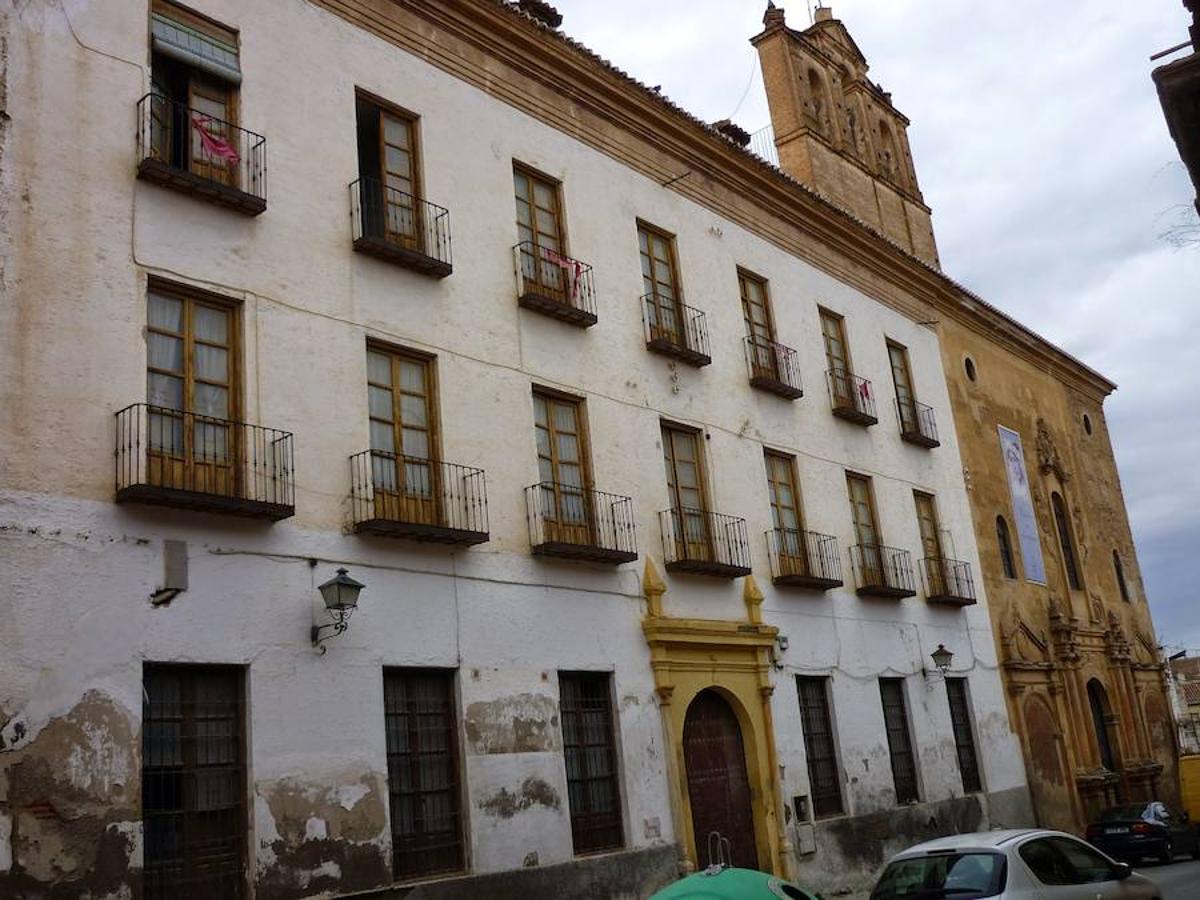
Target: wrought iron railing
x=163 y=454
x=406 y=223
x=549 y=279
x=880 y=569
x=428 y=497
x=917 y=422
x=948 y=579
x=851 y=395
x=675 y=327
x=702 y=540
x=569 y=520
x=773 y=365
x=804 y=555
x=192 y=143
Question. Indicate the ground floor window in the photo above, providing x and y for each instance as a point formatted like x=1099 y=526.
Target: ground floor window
x=423 y=783
x=590 y=754
x=895 y=718
x=964 y=738
x=819 y=748
x=193 y=782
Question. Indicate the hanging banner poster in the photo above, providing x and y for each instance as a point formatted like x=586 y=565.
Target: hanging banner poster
x=1022 y=503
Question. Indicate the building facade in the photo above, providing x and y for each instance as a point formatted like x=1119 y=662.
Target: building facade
x=640 y=450
x=1184 y=675
x=1178 y=84
x=1084 y=677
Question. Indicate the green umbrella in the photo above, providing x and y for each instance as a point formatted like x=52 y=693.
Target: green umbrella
x=732 y=884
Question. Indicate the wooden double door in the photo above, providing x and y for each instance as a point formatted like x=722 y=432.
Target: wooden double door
x=718 y=783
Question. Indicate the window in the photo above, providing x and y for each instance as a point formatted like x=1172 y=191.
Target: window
x=562 y=467
x=972 y=875
x=194 y=75
x=786 y=515
x=862 y=510
x=660 y=285
x=969 y=365
x=964 y=737
x=1119 y=571
x=1099 y=705
x=423 y=788
x=895 y=720
x=927 y=523
x=823 y=779
x=191 y=388
x=906 y=398
x=837 y=355
x=400 y=393
x=389 y=171
x=1007 y=560
x=193 y=782
x=1064 y=539
x=539 y=231
x=685 y=485
x=760 y=329
x=1087 y=423
x=589 y=750
x=1063 y=860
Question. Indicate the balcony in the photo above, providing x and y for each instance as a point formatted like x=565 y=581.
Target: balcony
x=948 y=581
x=1178 y=84
x=773 y=368
x=400 y=228
x=917 y=424
x=191 y=152
x=676 y=330
x=852 y=398
x=704 y=543
x=165 y=457
x=555 y=285
x=423 y=500
x=883 y=571
x=804 y=559
x=571 y=522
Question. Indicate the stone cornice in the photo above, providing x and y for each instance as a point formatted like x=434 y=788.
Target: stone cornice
x=463 y=36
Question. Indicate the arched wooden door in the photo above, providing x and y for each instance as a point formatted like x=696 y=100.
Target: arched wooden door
x=718 y=785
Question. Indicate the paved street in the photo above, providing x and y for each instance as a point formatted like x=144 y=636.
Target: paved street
x=1180 y=881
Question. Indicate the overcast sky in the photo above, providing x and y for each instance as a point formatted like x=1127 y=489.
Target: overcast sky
x=1041 y=147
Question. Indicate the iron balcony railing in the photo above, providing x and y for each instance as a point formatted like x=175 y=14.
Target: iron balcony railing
x=575 y=522
x=707 y=543
x=169 y=457
x=392 y=225
x=852 y=398
x=556 y=285
x=416 y=498
x=948 y=581
x=773 y=367
x=917 y=423
x=883 y=571
x=804 y=558
x=675 y=329
x=191 y=151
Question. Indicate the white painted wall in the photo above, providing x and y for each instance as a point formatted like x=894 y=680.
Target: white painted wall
x=84 y=235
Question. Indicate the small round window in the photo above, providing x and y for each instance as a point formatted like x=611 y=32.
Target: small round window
x=969 y=365
x=1087 y=423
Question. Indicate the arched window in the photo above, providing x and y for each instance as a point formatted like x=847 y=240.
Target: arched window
x=1120 y=570
x=816 y=90
x=1064 y=539
x=1007 y=563
x=1098 y=700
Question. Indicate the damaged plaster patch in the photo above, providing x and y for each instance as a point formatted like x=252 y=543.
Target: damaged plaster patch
x=533 y=792
x=522 y=723
x=321 y=837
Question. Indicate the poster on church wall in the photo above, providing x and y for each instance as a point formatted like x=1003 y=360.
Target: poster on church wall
x=1022 y=502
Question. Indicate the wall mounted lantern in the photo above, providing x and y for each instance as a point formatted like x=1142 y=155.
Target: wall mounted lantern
x=340 y=594
x=941 y=659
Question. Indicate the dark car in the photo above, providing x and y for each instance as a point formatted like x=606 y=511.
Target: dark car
x=1140 y=830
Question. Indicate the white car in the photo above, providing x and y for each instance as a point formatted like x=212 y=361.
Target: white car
x=1031 y=864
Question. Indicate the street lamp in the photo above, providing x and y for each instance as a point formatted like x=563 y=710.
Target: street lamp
x=340 y=594
x=941 y=659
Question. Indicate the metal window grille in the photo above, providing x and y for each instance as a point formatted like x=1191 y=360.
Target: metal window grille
x=964 y=739
x=590 y=754
x=819 y=746
x=422 y=772
x=193 y=783
x=895 y=718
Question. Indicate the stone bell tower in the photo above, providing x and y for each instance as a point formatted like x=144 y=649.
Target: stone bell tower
x=837 y=131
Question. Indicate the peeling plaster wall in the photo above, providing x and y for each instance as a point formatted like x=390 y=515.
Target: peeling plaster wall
x=82 y=236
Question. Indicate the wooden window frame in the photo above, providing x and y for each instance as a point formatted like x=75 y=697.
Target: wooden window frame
x=962 y=726
x=669 y=425
x=900 y=751
x=187 y=743
x=920 y=497
x=704 y=546
x=826 y=805
x=414 y=124
x=905 y=407
x=874 y=509
x=746 y=276
x=823 y=314
x=616 y=817
x=560 y=208
x=454 y=791
x=789 y=460
x=552 y=518
x=679 y=335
